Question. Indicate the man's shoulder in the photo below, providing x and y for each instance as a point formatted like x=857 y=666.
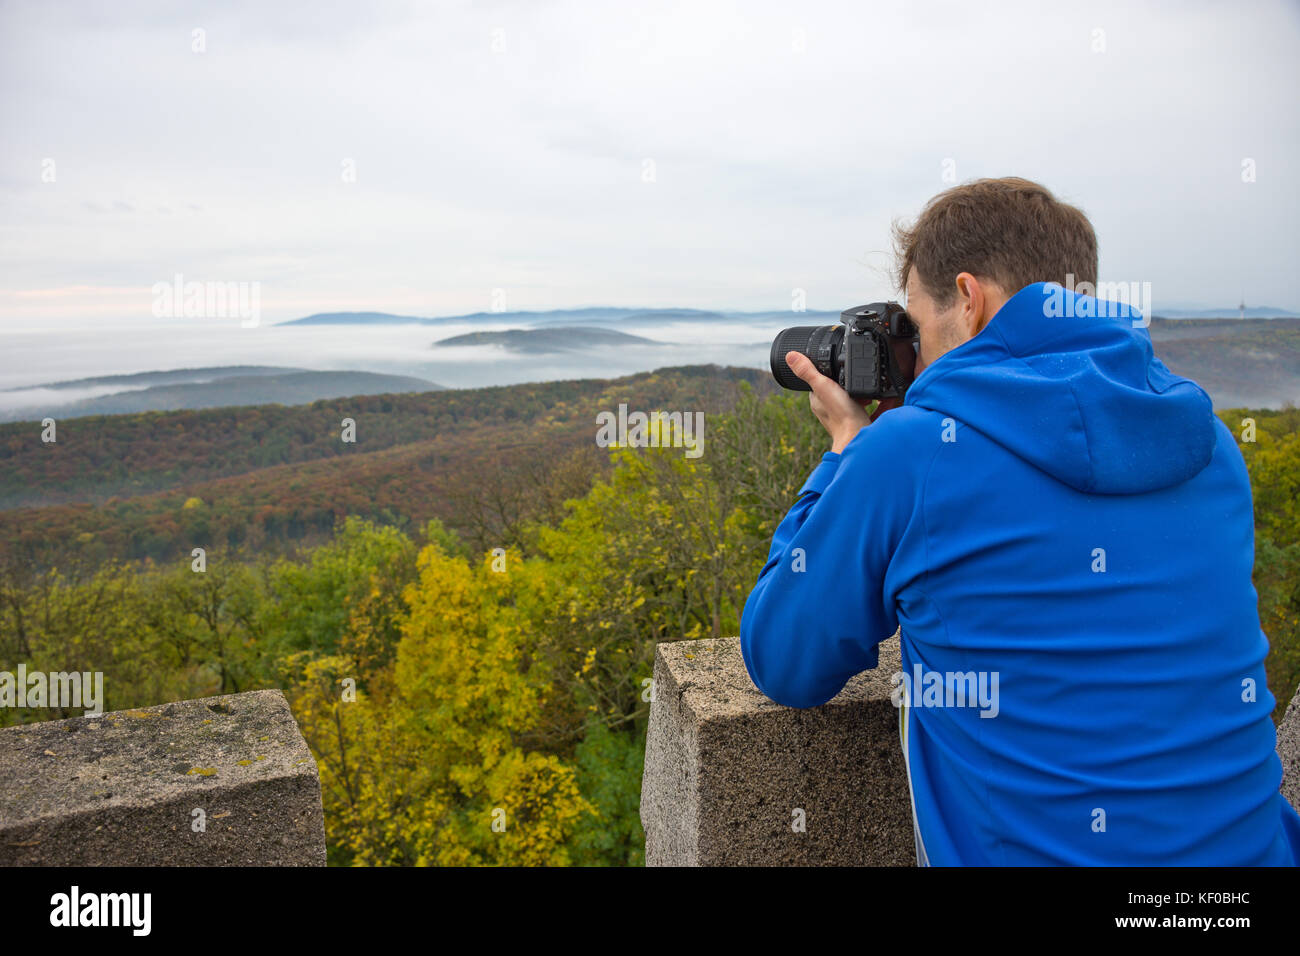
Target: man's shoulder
x=900 y=445
x=904 y=429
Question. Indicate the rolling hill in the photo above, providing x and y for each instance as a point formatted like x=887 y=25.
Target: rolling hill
x=203 y=388
x=150 y=485
x=560 y=338
x=1252 y=363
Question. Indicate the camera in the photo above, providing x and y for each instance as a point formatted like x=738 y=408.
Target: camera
x=858 y=353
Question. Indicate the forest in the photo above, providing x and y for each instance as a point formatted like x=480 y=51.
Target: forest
x=463 y=614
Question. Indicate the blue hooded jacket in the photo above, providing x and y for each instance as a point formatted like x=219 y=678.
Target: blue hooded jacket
x=1063 y=530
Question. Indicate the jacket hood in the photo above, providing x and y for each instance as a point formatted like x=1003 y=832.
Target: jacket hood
x=1065 y=382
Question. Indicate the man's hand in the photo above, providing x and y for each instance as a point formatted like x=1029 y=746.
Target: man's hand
x=841 y=415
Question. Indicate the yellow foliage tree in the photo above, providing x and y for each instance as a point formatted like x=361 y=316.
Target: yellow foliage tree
x=474 y=680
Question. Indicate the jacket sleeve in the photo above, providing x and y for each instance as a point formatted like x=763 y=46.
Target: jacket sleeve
x=818 y=611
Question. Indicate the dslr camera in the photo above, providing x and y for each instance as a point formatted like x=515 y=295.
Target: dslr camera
x=858 y=353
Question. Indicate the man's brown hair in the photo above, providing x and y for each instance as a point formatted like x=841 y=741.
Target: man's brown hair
x=1010 y=230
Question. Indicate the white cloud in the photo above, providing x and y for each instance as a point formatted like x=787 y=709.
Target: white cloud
x=522 y=169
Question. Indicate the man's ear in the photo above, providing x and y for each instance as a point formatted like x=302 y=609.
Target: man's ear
x=972 y=299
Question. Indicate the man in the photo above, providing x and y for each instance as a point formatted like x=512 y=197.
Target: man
x=1063 y=530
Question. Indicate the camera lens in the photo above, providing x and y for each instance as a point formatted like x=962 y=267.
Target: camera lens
x=818 y=342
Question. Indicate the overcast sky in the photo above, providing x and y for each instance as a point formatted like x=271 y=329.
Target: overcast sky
x=508 y=146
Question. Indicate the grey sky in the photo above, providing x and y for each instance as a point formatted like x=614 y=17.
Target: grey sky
x=784 y=138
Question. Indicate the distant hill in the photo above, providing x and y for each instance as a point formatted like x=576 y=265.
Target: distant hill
x=603 y=315
x=180 y=389
x=676 y=315
x=357 y=318
x=789 y=318
x=166 y=377
x=1253 y=363
x=570 y=316
x=551 y=317
x=1253 y=312
x=560 y=338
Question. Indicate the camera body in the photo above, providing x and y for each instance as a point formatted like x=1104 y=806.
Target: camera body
x=858 y=353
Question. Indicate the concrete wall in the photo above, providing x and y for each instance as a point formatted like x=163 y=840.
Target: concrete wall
x=726 y=769
x=1288 y=748
x=122 y=789
x=729 y=773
